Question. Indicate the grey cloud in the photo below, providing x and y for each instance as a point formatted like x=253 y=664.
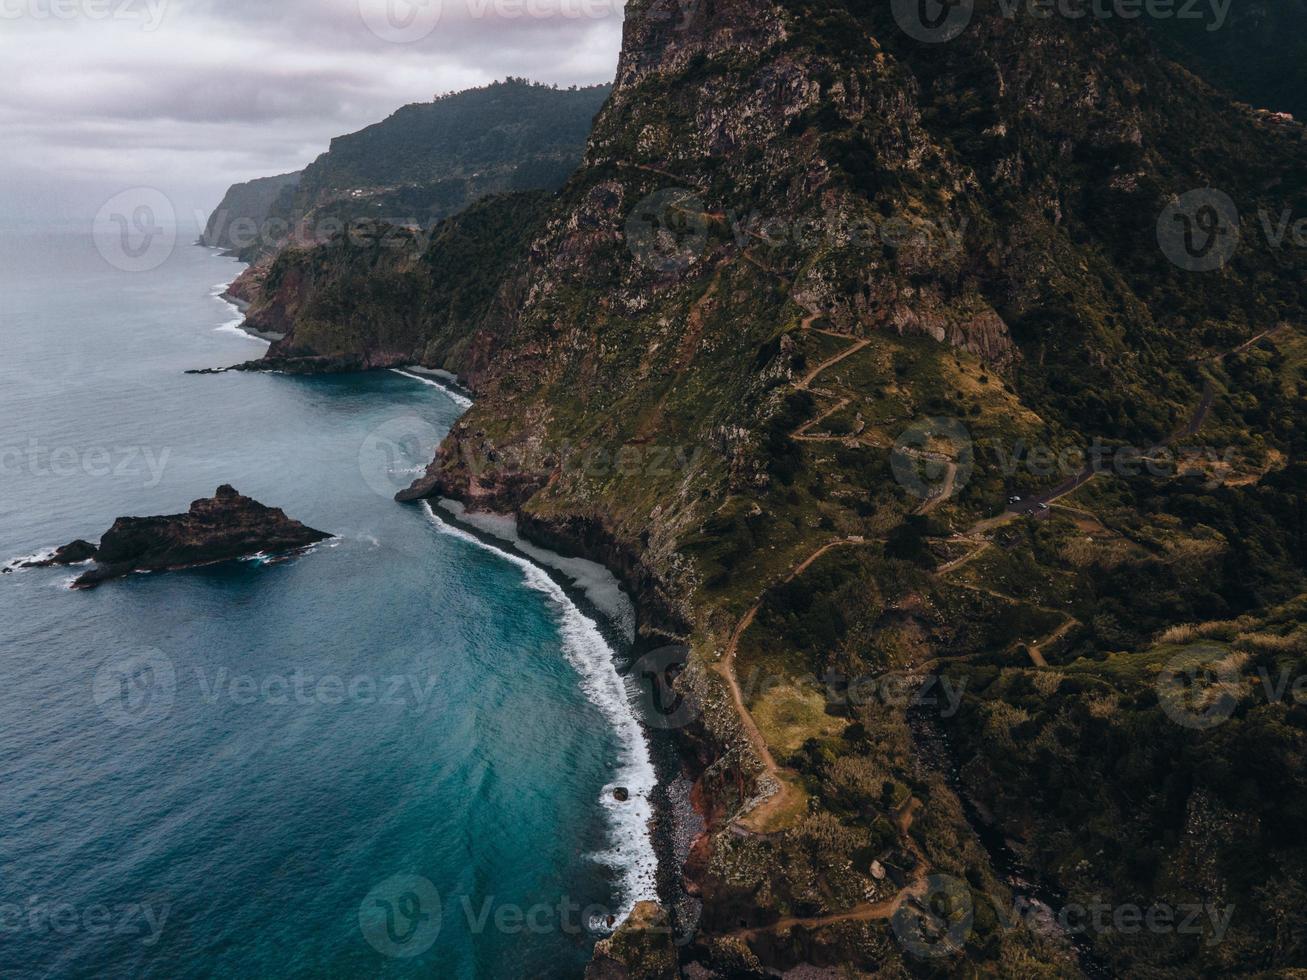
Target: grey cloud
x=226 y=90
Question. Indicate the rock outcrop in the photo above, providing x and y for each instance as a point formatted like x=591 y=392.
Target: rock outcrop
x=642 y=948
x=224 y=527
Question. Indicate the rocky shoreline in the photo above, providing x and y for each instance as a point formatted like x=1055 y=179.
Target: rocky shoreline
x=682 y=815
x=683 y=809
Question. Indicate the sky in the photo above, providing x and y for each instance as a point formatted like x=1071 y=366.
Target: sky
x=186 y=97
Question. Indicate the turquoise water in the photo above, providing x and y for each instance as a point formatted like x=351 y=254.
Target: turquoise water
x=386 y=757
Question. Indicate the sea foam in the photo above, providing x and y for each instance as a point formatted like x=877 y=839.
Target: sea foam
x=432 y=379
x=632 y=853
x=233 y=326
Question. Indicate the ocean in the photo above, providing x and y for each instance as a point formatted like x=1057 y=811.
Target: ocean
x=392 y=755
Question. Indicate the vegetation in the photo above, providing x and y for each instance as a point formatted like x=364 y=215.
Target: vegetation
x=954 y=243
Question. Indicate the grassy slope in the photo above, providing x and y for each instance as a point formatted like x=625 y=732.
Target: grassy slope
x=823 y=113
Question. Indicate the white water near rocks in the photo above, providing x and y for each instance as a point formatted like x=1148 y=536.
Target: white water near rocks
x=632 y=854
x=432 y=378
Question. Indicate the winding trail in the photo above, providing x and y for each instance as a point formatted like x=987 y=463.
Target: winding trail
x=916 y=889
x=801 y=433
x=830 y=362
x=756 y=820
x=659 y=172
x=785 y=796
x=871 y=911
x=945 y=490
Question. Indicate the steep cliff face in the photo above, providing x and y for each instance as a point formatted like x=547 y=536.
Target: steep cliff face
x=426 y=162
x=382 y=296
x=429 y=161
x=776 y=353
x=244 y=210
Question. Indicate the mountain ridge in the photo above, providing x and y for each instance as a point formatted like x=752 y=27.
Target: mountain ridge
x=956 y=275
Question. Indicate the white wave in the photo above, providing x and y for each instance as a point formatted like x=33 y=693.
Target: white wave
x=457 y=398
x=44 y=555
x=632 y=853
x=234 y=327
x=598 y=584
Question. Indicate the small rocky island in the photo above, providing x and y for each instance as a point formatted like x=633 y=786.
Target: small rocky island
x=224 y=527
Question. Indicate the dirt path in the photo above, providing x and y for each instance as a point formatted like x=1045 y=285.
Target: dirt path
x=1035 y=648
x=872 y=911
x=801 y=433
x=831 y=362
x=945 y=489
x=659 y=172
x=959 y=562
x=1244 y=346
x=757 y=819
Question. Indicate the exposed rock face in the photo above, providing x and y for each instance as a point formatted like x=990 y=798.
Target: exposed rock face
x=75 y=553
x=770 y=181
x=248 y=286
x=641 y=949
x=239 y=219
x=223 y=527
x=383 y=296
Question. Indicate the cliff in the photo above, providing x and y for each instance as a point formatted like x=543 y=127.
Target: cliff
x=244 y=211
x=816 y=307
x=426 y=162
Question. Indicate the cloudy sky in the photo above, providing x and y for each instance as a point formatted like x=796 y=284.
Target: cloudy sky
x=189 y=96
